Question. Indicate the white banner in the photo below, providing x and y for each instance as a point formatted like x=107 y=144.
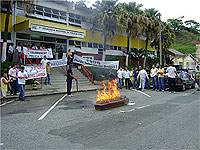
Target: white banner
x=37 y=53
x=46 y=29
x=96 y=63
x=35 y=71
x=59 y=62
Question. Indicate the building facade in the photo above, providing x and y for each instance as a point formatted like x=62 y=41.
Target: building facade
x=56 y=23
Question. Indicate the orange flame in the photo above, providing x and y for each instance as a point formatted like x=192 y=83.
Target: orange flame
x=109 y=92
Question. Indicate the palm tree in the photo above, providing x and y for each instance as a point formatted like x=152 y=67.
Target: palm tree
x=28 y=5
x=129 y=16
x=151 y=28
x=104 y=20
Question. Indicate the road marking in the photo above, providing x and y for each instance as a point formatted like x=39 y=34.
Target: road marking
x=7 y=102
x=52 y=107
x=141 y=92
x=188 y=94
x=121 y=111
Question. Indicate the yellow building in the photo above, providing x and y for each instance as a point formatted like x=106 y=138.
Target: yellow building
x=55 y=23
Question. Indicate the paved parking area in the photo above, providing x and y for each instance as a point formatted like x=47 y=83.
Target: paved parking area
x=157 y=121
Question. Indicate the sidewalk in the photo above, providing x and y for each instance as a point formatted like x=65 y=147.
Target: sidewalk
x=49 y=90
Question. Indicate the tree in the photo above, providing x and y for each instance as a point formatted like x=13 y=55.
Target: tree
x=151 y=28
x=129 y=16
x=8 y=4
x=176 y=24
x=104 y=20
x=192 y=26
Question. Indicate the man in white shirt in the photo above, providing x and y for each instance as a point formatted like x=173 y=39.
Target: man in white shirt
x=10 y=52
x=154 y=77
x=22 y=76
x=12 y=77
x=142 y=75
x=44 y=61
x=172 y=78
x=119 y=78
x=19 y=50
x=126 y=75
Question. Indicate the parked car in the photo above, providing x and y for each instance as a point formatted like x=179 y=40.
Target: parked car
x=183 y=81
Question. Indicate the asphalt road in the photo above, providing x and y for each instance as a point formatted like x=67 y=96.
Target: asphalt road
x=158 y=121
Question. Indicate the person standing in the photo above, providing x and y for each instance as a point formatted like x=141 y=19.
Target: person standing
x=154 y=77
x=126 y=75
x=60 y=52
x=10 y=52
x=197 y=77
x=12 y=78
x=48 y=71
x=119 y=78
x=148 y=81
x=172 y=78
x=19 y=50
x=69 y=80
x=161 y=79
x=135 y=74
x=4 y=87
x=22 y=76
x=17 y=71
x=44 y=61
x=142 y=75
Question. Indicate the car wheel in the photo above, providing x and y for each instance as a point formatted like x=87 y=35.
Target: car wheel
x=183 y=87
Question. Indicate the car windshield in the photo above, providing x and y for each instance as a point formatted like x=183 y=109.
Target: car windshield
x=182 y=75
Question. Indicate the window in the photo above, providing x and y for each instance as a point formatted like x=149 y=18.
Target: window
x=111 y=47
x=100 y=51
x=84 y=44
x=61 y=40
x=56 y=12
x=47 y=10
x=100 y=45
x=89 y=44
x=39 y=8
x=95 y=45
x=74 y=18
x=119 y=48
x=49 y=39
x=55 y=16
x=71 y=42
x=36 y=37
x=84 y=19
x=9 y=35
x=115 y=47
x=62 y=13
x=78 y=43
x=107 y=47
x=22 y=36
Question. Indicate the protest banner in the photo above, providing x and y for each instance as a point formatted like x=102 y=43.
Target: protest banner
x=59 y=62
x=37 y=53
x=35 y=71
x=96 y=63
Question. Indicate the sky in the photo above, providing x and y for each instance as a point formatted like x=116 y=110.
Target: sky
x=169 y=8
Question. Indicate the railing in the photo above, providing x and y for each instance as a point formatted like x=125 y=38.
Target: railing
x=87 y=73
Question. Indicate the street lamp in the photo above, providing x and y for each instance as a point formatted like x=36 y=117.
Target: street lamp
x=161 y=36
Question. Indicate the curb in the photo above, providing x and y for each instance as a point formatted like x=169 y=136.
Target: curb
x=50 y=93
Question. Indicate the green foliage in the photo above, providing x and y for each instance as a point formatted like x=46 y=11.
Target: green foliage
x=114 y=58
x=184 y=48
x=5 y=64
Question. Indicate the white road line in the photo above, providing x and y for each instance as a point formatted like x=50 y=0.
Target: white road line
x=121 y=111
x=52 y=107
x=188 y=94
x=141 y=92
x=7 y=102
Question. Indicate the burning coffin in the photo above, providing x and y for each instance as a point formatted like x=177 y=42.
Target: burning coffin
x=110 y=97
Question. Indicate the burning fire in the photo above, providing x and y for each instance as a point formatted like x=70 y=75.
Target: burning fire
x=109 y=92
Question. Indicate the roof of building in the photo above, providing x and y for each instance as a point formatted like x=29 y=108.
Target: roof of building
x=175 y=52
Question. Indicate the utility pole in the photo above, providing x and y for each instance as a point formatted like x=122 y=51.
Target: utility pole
x=160 y=42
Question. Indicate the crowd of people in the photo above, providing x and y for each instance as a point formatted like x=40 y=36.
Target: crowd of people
x=141 y=78
x=13 y=81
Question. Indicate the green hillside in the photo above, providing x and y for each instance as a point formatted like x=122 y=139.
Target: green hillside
x=185 y=42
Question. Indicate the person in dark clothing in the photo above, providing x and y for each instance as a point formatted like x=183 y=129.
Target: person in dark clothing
x=148 y=81
x=135 y=74
x=69 y=80
x=60 y=52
